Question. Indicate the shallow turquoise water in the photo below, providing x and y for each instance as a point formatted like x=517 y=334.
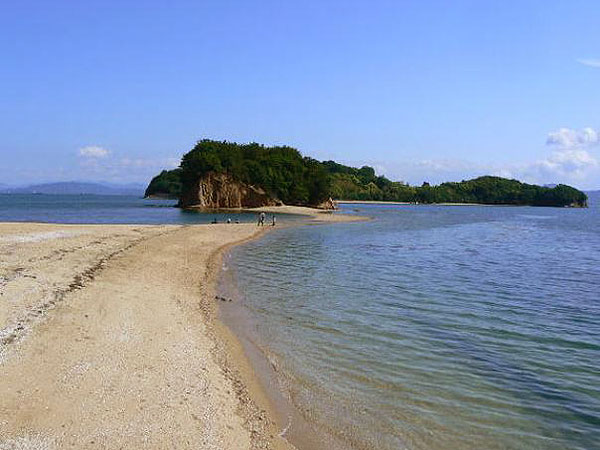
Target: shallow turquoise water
x=435 y=327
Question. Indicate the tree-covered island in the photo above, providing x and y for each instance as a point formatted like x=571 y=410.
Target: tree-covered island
x=227 y=174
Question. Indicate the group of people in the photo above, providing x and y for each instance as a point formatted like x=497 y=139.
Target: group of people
x=261 y=219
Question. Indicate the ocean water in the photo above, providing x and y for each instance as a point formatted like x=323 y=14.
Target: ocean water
x=115 y=209
x=428 y=327
x=434 y=327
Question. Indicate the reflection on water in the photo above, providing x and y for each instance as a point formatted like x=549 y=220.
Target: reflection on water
x=436 y=327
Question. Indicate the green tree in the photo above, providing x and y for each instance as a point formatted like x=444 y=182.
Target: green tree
x=284 y=174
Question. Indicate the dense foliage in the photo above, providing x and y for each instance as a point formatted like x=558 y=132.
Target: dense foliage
x=281 y=171
x=486 y=189
x=286 y=175
x=165 y=184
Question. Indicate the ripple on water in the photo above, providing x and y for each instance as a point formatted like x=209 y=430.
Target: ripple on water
x=436 y=327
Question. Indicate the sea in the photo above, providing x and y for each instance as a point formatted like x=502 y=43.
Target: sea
x=426 y=327
x=105 y=209
x=431 y=327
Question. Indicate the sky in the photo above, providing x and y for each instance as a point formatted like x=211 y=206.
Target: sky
x=421 y=90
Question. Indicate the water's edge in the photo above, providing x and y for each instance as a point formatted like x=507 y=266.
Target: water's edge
x=450 y=290
x=297 y=429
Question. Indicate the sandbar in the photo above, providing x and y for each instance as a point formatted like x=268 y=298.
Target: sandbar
x=108 y=339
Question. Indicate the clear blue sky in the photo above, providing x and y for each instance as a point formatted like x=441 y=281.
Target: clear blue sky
x=422 y=90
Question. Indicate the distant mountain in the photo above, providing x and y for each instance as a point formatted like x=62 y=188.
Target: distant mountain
x=78 y=188
x=6 y=188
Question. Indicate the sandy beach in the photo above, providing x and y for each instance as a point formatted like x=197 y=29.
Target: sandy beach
x=108 y=340
x=312 y=215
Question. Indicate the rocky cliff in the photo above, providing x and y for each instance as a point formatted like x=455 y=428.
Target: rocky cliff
x=328 y=204
x=219 y=190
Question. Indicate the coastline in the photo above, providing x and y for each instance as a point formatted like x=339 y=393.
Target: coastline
x=378 y=202
x=102 y=389
x=316 y=215
x=253 y=369
x=264 y=370
x=495 y=205
x=258 y=370
x=255 y=405
x=128 y=351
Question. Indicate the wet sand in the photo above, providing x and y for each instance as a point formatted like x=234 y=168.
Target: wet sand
x=300 y=431
x=108 y=340
x=239 y=336
x=317 y=215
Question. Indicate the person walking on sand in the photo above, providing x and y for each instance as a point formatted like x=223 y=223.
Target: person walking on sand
x=273 y=224
x=262 y=218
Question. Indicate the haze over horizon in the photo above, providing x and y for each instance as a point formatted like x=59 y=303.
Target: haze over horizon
x=422 y=91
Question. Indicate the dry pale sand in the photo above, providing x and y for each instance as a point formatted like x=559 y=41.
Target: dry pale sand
x=108 y=340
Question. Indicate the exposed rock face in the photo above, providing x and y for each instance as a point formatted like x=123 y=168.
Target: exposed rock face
x=327 y=204
x=219 y=190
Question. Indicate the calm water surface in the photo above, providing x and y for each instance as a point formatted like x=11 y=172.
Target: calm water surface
x=429 y=327
x=435 y=327
x=121 y=209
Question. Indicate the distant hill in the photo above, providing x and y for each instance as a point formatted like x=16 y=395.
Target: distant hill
x=166 y=184
x=227 y=174
x=78 y=188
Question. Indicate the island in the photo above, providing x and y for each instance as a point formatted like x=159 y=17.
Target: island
x=222 y=174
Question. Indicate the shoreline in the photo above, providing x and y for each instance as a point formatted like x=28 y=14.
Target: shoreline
x=381 y=202
x=505 y=205
x=69 y=380
x=91 y=261
x=258 y=369
x=253 y=367
x=298 y=430
x=316 y=215
x=255 y=404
